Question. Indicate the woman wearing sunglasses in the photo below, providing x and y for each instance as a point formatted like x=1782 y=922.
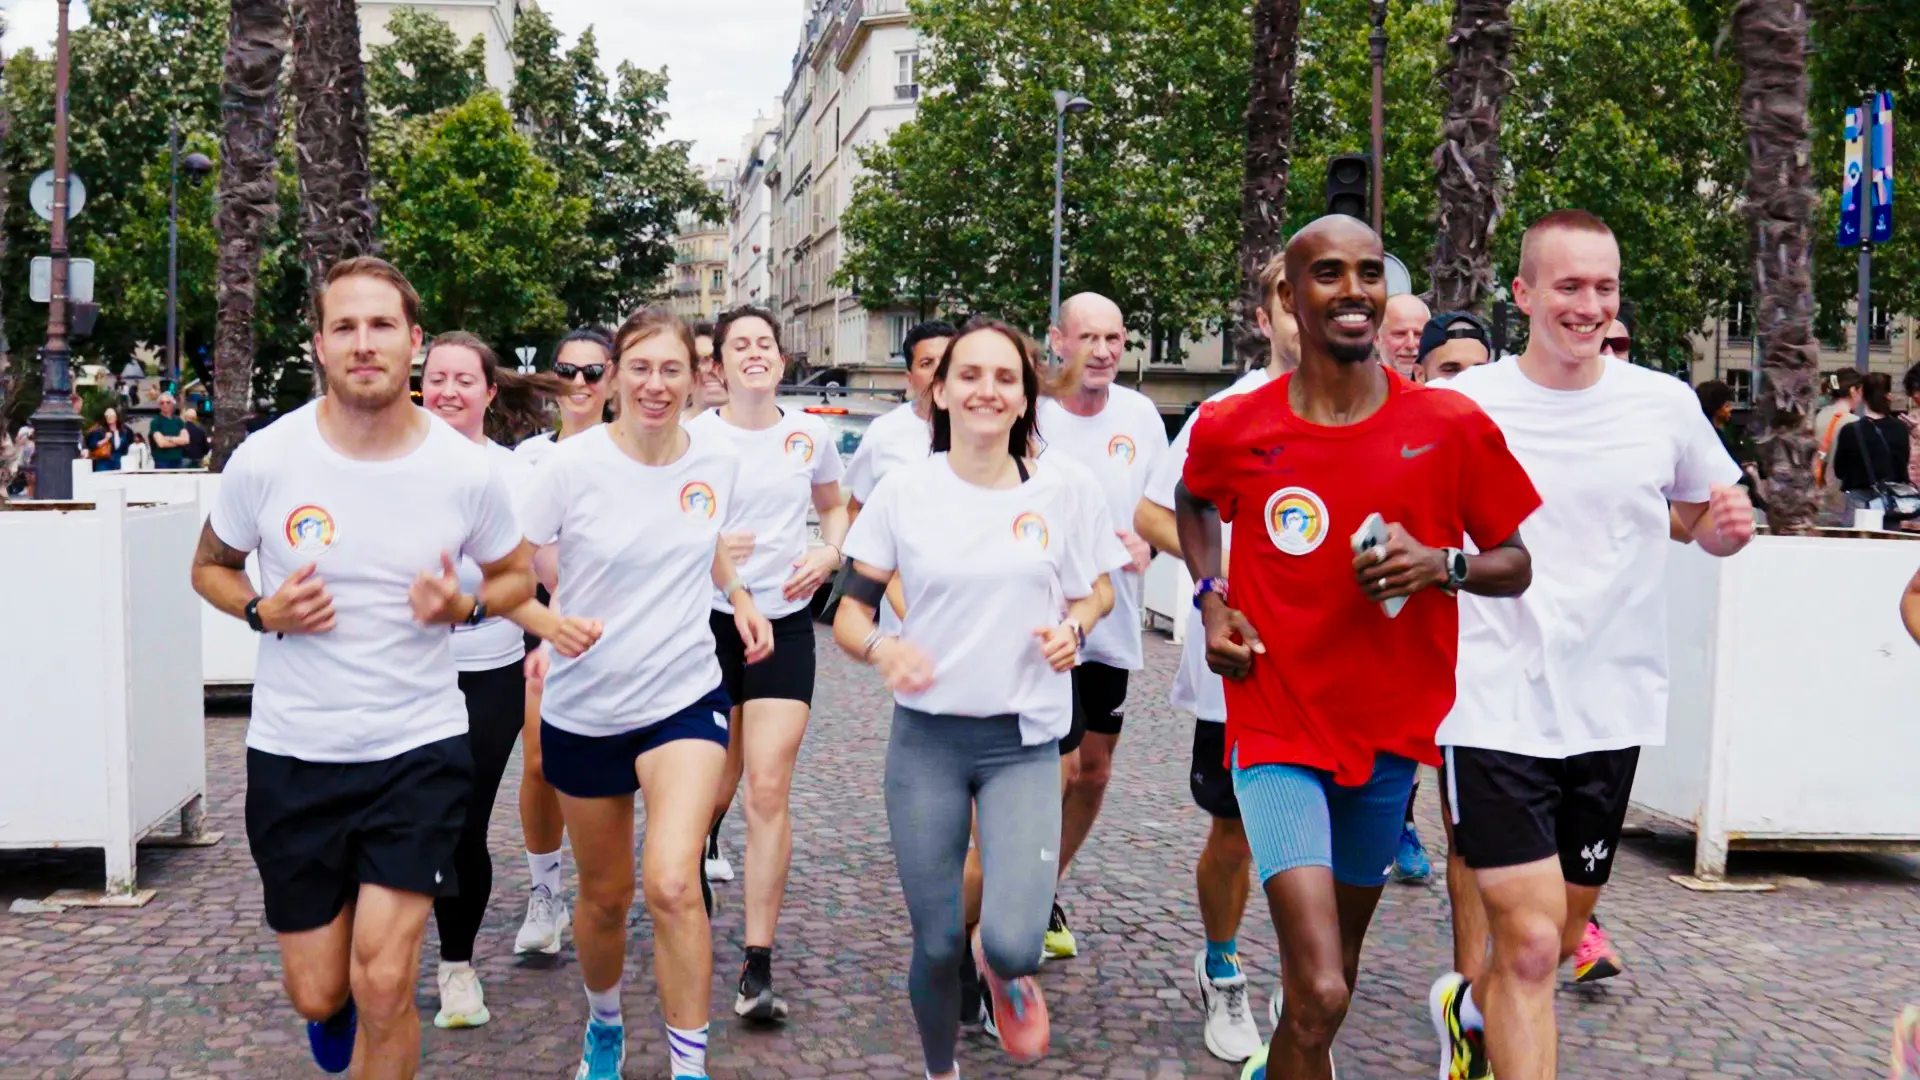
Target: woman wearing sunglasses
x=581 y=363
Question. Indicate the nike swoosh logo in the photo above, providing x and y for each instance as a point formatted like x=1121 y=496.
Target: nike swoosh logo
x=1411 y=452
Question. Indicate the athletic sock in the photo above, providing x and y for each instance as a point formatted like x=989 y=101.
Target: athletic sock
x=687 y=1050
x=545 y=870
x=1223 y=958
x=1470 y=1017
x=604 y=1005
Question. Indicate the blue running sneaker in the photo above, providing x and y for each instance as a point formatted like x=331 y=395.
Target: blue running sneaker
x=603 y=1052
x=332 y=1039
x=1410 y=865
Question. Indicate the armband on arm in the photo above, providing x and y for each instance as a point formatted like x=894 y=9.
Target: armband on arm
x=864 y=589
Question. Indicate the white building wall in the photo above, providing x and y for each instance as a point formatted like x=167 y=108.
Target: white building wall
x=491 y=20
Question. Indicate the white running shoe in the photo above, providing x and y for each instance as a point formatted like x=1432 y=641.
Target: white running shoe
x=462 y=1005
x=717 y=866
x=547 y=916
x=1231 y=1033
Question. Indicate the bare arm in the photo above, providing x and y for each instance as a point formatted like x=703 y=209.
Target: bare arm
x=220 y=574
x=1197 y=528
x=1677 y=531
x=1910 y=608
x=1157 y=526
x=507 y=582
x=1723 y=525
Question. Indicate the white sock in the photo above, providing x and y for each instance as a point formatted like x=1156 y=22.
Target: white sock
x=604 y=1005
x=545 y=870
x=956 y=1073
x=1470 y=1013
x=687 y=1050
x=455 y=965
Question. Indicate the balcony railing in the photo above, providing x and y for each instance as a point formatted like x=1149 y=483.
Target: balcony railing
x=907 y=92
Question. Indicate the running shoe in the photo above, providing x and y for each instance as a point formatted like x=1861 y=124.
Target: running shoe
x=987 y=1023
x=332 y=1039
x=973 y=1004
x=547 y=917
x=756 y=999
x=1463 y=1051
x=1230 y=1031
x=1256 y=1068
x=1595 y=959
x=603 y=1052
x=1906 y=1045
x=717 y=866
x=1410 y=863
x=462 y=1004
x=1019 y=1011
x=1059 y=943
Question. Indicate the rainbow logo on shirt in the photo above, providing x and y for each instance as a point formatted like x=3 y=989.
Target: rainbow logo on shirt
x=1121 y=446
x=800 y=445
x=1296 y=520
x=310 y=530
x=696 y=499
x=1031 y=528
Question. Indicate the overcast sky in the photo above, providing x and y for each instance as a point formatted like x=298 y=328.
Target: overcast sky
x=726 y=58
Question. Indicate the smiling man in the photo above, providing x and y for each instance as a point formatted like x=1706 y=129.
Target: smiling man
x=1321 y=747
x=1561 y=687
x=1406 y=317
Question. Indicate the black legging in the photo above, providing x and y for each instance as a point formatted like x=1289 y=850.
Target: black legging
x=496 y=707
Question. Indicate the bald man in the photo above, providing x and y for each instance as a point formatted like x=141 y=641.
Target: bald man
x=1406 y=317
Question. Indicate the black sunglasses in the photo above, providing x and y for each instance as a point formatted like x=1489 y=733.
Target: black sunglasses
x=593 y=372
x=1618 y=346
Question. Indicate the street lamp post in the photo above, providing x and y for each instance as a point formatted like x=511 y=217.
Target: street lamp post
x=1063 y=103
x=56 y=427
x=1377 y=45
x=198 y=166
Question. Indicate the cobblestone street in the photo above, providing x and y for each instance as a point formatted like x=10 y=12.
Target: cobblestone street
x=1802 y=982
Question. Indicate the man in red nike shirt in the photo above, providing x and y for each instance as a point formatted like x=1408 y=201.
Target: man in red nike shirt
x=1325 y=727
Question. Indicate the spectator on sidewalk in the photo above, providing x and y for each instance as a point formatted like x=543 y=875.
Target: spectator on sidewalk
x=107 y=442
x=1911 y=384
x=167 y=435
x=1842 y=408
x=1875 y=450
x=1716 y=400
x=194 y=456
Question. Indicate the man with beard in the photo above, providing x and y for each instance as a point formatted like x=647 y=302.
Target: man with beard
x=1322 y=748
x=358 y=767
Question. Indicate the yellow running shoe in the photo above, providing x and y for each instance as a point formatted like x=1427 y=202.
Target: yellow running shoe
x=1059 y=944
x=1256 y=1068
x=1906 y=1045
x=1463 y=1050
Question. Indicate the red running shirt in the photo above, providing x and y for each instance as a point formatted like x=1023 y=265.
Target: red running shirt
x=1340 y=681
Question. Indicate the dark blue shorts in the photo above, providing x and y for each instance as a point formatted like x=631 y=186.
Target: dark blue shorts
x=601 y=766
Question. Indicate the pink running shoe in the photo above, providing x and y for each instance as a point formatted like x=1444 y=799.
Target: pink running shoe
x=1019 y=1012
x=1595 y=959
x=1906 y=1045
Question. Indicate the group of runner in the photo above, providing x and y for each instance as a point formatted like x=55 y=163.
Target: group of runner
x=628 y=598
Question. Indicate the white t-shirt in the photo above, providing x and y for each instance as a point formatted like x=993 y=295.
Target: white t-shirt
x=778 y=468
x=983 y=569
x=1578 y=663
x=1195 y=687
x=378 y=684
x=1120 y=446
x=636 y=552
x=496 y=642
x=535 y=448
x=894 y=438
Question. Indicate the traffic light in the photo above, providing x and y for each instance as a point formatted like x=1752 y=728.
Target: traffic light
x=1350 y=184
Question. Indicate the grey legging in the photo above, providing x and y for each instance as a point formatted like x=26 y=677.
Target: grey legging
x=938 y=769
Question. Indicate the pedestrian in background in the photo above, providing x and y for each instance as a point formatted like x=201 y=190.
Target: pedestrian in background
x=107 y=442
x=1874 y=451
x=1716 y=401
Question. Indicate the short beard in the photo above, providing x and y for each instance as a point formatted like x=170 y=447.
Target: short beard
x=370 y=400
x=1350 y=354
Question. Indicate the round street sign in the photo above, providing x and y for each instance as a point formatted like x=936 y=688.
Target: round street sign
x=40 y=195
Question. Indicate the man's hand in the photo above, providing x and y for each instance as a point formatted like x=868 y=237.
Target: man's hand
x=1730 y=511
x=1400 y=567
x=810 y=571
x=300 y=605
x=906 y=669
x=1138 y=548
x=436 y=598
x=1060 y=645
x=575 y=635
x=739 y=545
x=539 y=662
x=1232 y=642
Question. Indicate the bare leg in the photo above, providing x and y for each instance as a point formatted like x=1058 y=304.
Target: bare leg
x=769 y=752
x=1221 y=876
x=736 y=765
x=678 y=781
x=1581 y=900
x=388 y=926
x=540 y=820
x=1307 y=913
x=1085 y=791
x=1471 y=935
x=1528 y=909
x=602 y=831
x=316 y=967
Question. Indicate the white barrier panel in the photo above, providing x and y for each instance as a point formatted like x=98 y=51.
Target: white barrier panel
x=228 y=648
x=103 y=726
x=1789 y=722
x=1168 y=594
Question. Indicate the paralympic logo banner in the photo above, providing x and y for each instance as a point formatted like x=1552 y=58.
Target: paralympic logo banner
x=1850 y=184
x=1881 y=206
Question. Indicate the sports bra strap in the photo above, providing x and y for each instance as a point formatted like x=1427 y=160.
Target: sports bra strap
x=1021 y=464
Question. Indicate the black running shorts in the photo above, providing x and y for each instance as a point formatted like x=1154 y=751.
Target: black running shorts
x=1511 y=809
x=787 y=674
x=319 y=831
x=1211 y=780
x=1101 y=691
x=1078 y=730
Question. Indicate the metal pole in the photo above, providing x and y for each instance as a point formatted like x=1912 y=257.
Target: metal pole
x=1059 y=190
x=1377 y=44
x=55 y=425
x=1863 y=324
x=173 y=251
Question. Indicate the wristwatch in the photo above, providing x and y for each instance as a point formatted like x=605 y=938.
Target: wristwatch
x=1215 y=585
x=479 y=613
x=1456 y=561
x=1079 y=634
x=253 y=616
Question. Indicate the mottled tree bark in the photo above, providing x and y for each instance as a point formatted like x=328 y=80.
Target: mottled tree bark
x=330 y=135
x=250 y=113
x=1468 y=158
x=1770 y=39
x=1263 y=191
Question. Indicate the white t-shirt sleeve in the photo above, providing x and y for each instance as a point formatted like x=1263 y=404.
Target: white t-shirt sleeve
x=1092 y=549
x=873 y=539
x=1165 y=476
x=828 y=466
x=236 y=512
x=1701 y=462
x=543 y=503
x=859 y=472
x=495 y=533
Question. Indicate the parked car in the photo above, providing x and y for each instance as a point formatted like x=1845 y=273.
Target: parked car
x=847 y=413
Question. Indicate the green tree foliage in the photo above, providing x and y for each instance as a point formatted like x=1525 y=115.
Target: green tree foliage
x=424 y=69
x=477 y=222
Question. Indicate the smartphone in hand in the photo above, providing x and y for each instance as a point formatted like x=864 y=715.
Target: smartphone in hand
x=1372 y=534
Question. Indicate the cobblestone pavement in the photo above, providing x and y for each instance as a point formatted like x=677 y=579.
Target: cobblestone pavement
x=1802 y=982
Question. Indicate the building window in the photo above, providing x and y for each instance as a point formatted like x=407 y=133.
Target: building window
x=1163 y=345
x=836 y=126
x=906 y=83
x=897 y=327
x=1741 y=380
x=1740 y=320
x=1879 y=327
x=719 y=285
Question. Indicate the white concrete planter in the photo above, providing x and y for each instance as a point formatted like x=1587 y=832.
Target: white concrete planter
x=1791 y=722
x=227 y=648
x=1167 y=596
x=102 y=721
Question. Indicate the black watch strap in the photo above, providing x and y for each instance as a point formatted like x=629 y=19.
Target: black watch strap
x=253 y=616
x=479 y=613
